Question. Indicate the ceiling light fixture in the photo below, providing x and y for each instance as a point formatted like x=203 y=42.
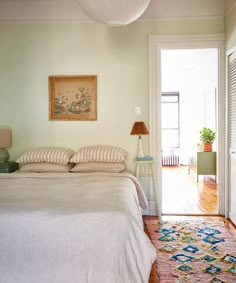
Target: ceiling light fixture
x=113 y=12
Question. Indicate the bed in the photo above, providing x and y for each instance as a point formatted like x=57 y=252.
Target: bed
x=74 y=228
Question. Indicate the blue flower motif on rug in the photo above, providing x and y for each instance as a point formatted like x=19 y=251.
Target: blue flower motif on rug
x=212 y=240
x=208 y=258
x=168 y=249
x=232 y=270
x=208 y=231
x=229 y=258
x=212 y=270
x=187 y=230
x=186 y=279
x=185 y=268
x=187 y=239
x=216 y=280
x=182 y=258
x=214 y=249
x=165 y=231
x=191 y=249
x=166 y=238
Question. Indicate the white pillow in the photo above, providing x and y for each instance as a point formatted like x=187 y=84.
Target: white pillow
x=110 y=167
x=58 y=155
x=45 y=167
x=99 y=153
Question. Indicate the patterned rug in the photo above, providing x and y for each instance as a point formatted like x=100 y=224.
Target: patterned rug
x=193 y=252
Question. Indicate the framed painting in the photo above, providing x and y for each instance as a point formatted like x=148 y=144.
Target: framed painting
x=73 y=98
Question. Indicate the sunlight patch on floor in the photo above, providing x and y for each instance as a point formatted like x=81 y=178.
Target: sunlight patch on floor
x=181 y=193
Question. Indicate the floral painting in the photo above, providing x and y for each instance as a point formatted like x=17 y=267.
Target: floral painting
x=73 y=97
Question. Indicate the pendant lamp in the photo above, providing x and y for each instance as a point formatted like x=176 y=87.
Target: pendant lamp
x=113 y=12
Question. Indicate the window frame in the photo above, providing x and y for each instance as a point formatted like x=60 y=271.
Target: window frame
x=174 y=94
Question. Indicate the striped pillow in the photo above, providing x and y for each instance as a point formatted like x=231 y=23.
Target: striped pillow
x=99 y=153
x=108 y=167
x=58 y=155
x=45 y=167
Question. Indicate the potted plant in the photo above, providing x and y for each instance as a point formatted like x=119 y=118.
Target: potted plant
x=207 y=137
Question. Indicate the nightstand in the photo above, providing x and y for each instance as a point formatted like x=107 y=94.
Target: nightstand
x=8 y=167
x=204 y=163
x=145 y=173
x=145 y=168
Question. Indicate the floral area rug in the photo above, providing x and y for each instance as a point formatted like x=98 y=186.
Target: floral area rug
x=192 y=252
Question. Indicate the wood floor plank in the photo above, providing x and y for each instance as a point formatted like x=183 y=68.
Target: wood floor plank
x=182 y=194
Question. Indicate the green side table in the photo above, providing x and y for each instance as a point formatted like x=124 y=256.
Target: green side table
x=206 y=163
x=8 y=167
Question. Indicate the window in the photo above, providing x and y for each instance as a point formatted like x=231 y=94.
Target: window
x=170 y=119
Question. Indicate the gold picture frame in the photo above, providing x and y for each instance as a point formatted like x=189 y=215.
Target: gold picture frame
x=73 y=98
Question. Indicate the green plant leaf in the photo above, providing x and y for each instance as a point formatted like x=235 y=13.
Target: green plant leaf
x=207 y=135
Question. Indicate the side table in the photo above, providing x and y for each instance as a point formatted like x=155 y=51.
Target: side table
x=8 y=167
x=146 y=168
x=206 y=163
x=203 y=163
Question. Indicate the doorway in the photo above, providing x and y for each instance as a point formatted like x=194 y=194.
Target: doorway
x=156 y=45
x=189 y=82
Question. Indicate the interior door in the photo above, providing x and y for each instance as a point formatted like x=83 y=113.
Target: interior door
x=232 y=135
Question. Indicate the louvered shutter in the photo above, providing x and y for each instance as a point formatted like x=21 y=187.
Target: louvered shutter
x=232 y=101
x=232 y=137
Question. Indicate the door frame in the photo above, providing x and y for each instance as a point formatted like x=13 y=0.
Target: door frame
x=199 y=41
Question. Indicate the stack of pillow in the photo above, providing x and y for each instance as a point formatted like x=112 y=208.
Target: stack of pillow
x=46 y=159
x=99 y=158
x=95 y=158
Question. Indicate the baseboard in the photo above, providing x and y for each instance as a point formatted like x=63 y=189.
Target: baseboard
x=232 y=217
x=151 y=209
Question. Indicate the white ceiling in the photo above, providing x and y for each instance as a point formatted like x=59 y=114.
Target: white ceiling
x=69 y=10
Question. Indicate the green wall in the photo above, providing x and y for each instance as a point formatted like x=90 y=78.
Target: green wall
x=230 y=27
x=30 y=52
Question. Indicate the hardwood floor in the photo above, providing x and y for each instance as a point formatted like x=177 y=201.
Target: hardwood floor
x=182 y=194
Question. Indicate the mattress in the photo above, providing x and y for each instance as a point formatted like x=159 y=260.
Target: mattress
x=73 y=228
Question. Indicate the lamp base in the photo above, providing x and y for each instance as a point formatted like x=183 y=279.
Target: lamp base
x=140 y=152
x=4 y=155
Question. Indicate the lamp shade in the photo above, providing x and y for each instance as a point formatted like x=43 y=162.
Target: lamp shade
x=139 y=128
x=5 y=138
x=113 y=12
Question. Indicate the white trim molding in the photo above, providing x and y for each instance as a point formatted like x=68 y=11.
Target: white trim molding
x=198 y=41
x=232 y=217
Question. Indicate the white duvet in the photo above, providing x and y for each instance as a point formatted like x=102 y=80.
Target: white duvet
x=73 y=228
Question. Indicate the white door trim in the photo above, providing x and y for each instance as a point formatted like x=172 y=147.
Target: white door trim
x=158 y=43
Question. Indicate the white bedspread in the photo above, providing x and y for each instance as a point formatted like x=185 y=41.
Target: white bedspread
x=72 y=228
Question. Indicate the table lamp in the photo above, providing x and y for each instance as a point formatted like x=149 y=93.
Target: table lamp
x=139 y=129
x=5 y=141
